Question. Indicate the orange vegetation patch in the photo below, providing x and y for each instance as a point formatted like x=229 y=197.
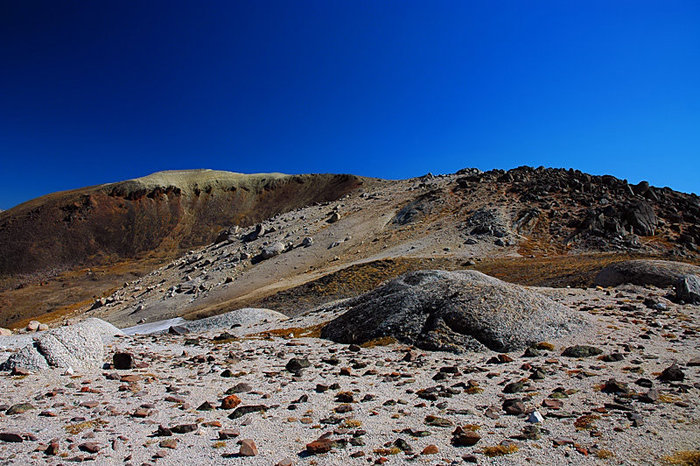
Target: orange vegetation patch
x=313 y=331
x=383 y=341
x=556 y=271
x=685 y=458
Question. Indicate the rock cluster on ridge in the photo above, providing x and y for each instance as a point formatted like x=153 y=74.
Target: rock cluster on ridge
x=452 y=311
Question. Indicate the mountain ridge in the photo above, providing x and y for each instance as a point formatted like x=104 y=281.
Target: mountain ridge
x=464 y=217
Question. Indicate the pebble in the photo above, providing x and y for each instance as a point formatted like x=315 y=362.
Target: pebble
x=248 y=448
x=673 y=373
x=11 y=437
x=581 y=351
x=230 y=402
x=464 y=437
x=123 y=361
x=90 y=447
x=430 y=450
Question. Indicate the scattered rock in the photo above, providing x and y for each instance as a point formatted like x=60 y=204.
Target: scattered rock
x=33 y=326
x=19 y=408
x=241 y=387
x=464 y=437
x=436 y=421
x=297 y=364
x=514 y=406
x=688 y=289
x=184 y=428
x=243 y=410
x=248 y=448
x=227 y=434
x=272 y=250
x=170 y=443
x=11 y=437
x=430 y=450
x=581 y=351
x=53 y=449
x=613 y=386
x=123 y=361
x=673 y=373
x=230 y=402
x=322 y=445
x=90 y=447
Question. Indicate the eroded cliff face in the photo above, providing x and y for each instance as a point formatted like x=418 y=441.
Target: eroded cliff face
x=160 y=215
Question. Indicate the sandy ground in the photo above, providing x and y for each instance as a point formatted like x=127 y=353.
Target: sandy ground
x=372 y=401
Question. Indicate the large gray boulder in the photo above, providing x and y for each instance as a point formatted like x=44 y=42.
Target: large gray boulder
x=78 y=347
x=272 y=250
x=452 y=311
x=645 y=272
x=688 y=289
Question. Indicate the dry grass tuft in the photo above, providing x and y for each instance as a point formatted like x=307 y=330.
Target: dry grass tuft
x=383 y=341
x=499 y=450
x=75 y=429
x=586 y=422
x=313 y=331
x=684 y=458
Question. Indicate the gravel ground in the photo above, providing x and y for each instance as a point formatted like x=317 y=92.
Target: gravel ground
x=377 y=408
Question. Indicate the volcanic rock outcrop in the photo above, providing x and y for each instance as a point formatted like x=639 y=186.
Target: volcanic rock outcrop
x=452 y=311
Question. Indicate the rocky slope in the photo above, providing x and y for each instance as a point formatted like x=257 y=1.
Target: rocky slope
x=346 y=365
x=93 y=238
x=460 y=218
x=164 y=213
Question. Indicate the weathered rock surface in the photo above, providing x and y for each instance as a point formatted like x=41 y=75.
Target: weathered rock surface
x=77 y=347
x=452 y=311
x=272 y=250
x=645 y=272
x=239 y=317
x=688 y=289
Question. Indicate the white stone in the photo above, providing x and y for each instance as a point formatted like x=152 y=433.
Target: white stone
x=535 y=417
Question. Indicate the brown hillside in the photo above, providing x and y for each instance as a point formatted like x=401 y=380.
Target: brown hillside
x=162 y=214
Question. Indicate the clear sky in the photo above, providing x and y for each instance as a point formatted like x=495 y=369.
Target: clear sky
x=100 y=91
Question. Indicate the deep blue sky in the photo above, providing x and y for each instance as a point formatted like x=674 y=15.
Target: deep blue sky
x=100 y=91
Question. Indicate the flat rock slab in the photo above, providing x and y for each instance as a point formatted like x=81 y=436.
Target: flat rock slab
x=452 y=311
x=240 y=317
x=645 y=272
